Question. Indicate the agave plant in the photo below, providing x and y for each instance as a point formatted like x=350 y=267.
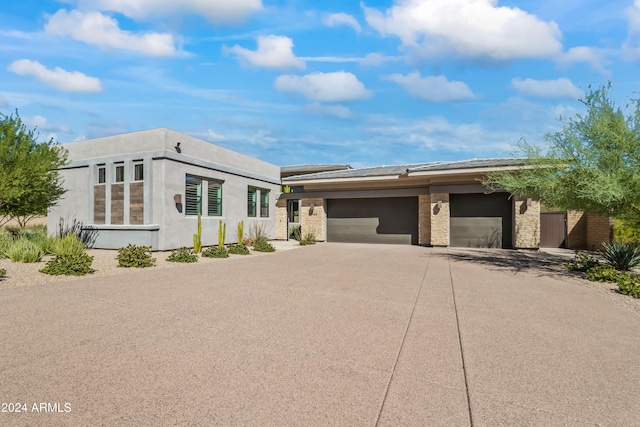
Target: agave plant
x=621 y=255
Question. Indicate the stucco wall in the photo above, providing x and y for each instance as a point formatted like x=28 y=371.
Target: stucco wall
x=440 y=219
x=74 y=204
x=527 y=223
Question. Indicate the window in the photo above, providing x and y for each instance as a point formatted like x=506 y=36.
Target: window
x=264 y=203
x=138 y=172
x=214 y=200
x=293 y=210
x=102 y=174
x=119 y=173
x=194 y=188
x=252 y=198
x=252 y=202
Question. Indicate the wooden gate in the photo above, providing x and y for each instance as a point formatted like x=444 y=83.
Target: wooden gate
x=553 y=229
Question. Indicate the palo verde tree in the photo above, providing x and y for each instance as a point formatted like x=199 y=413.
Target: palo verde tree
x=29 y=179
x=592 y=164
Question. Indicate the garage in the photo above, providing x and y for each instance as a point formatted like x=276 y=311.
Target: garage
x=391 y=220
x=481 y=221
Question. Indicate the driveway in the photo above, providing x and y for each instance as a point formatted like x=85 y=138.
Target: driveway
x=332 y=334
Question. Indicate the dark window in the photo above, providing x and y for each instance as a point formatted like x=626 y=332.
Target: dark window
x=193 y=195
x=119 y=173
x=293 y=210
x=102 y=174
x=252 y=198
x=264 y=203
x=138 y=172
x=215 y=199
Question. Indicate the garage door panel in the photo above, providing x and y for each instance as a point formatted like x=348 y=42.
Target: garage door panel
x=476 y=232
x=383 y=220
x=481 y=220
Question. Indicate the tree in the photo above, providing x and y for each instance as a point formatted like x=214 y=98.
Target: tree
x=591 y=165
x=29 y=179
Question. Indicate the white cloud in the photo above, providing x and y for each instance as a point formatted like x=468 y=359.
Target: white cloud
x=339 y=86
x=333 y=110
x=631 y=46
x=43 y=124
x=67 y=81
x=3 y=101
x=217 y=11
x=476 y=29
x=273 y=52
x=336 y=59
x=375 y=59
x=215 y=136
x=584 y=54
x=560 y=88
x=335 y=19
x=432 y=88
x=100 y=30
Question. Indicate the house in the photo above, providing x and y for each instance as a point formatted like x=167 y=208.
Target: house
x=148 y=187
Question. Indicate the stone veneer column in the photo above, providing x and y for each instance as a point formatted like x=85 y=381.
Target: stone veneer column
x=282 y=232
x=316 y=222
x=440 y=219
x=527 y=223
x=424 y=219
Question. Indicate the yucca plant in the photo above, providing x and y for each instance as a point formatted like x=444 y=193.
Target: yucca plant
x=24 y=250
x=622 y=255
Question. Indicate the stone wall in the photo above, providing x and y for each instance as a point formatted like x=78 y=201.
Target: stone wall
x=282 y=232
x=599 y=230
x=424 y=219
x=316 y=222
x=117 y=203
x=527 y=223
x=136 y=203
x=99 y=204
x=576 y=230
x=439 y=219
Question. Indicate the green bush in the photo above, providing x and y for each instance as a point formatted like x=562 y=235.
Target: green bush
x=47 y=243
x=295 y=231
x=625 y=232
x=621 y=255
x=261 y=244
x=69 y=245
x=628 y=284
x=24 y=250
x=308 y=239
x=5 y=241
x=182 y=255
x=135 y=256
x=3 y=272
x=582 y=262
x=238 y=249
x=74 y=264
x=216 y=252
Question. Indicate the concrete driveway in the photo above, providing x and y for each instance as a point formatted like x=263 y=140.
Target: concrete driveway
x=333 y=334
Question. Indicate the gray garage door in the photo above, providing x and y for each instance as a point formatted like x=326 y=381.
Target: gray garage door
x=386 y=220
x=481 y=220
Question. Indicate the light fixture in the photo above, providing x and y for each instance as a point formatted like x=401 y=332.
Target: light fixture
x=177 y=147
x=177 y=199
x=439 y=204
x=311 y=208
x=529 y=201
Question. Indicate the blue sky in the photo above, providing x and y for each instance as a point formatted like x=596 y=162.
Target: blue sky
x=292 y=81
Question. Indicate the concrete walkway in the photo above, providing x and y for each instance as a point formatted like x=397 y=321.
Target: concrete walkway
x=333 y=334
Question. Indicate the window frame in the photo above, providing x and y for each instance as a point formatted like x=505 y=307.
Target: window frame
x=116 y=175
x=101 y=172
x=137 y=164
x=213 y=184
x=264 y=203
x=252 y=202
x=188 y=206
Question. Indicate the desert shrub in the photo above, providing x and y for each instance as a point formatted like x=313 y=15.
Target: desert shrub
x=257 y=229
x=68 y=246
x=628 y=284
x=625 y=232
x=13 y=231
x=582 y=261
x=216 y=252
x=47 y=243
x=308 y=239
x=238 y=249
x=630 y=287
x=5 y=242
x=182 y=255
x=86 y=235
x=70 y=264
x=621 y=255
x=295 y=231
x=261 y=244
x=24 y=250
x=135 y=256
x=3 y=273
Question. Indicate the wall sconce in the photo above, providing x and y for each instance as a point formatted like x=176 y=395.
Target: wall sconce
x=439 y=204
x=177 y=147
x=311 y=208
x=529 y=201
x=177 y=199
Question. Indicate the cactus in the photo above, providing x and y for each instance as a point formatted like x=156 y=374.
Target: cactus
x=197 y=238
x=222 y=234
x=240 y=231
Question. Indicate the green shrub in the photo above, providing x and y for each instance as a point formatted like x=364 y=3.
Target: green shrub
x=625 y=232
x=216 y=252
x=69 y=245
x=308 y=239
x=74 y=264
x=621 y=255
x=182 y=255
x=24 y=250
x=135 y=256
x=238 y=249
x=631 y=288
x=5 y=241
x=295 y=231
x=582 y=262
x=628 y=284
x=261 y=244
x=3 y=273
x=47 y=243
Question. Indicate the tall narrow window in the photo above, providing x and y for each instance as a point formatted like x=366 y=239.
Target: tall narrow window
x=102 y=174
x=193 y=195
x=214 y=200
x=138 y=172
x=264 y=203
x=252 y=199
x=293 y=210
x=119 y=173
